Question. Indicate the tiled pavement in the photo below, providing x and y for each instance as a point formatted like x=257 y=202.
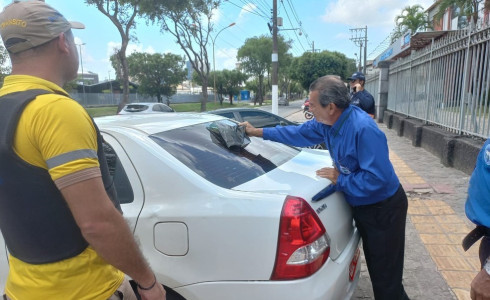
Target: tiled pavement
x=436 y=267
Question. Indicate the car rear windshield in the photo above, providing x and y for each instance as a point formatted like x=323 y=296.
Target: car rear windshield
x=136 y=108
x=195 y=147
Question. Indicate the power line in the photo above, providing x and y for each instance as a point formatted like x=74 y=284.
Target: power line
x=247 y=4
x=291 y=23
x=252 y=12
x=295 y=14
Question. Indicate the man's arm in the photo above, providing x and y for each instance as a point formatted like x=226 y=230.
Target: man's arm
x=252 y=131
x=107 y=232
x=302 y=135
x=480 y=286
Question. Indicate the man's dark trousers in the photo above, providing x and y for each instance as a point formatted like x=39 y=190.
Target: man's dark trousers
x=382 y=229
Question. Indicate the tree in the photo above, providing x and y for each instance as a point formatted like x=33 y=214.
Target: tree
x=189 y=21
x=255 y=59
x=310 y=66
x=468 y=8
x=412 y=18
x=122 y=14
x=231 y=82
x=5 y=68
x=116 y=65
x=157 y=74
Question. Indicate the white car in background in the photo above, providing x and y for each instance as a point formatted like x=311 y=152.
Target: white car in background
x=229 y=224
x=146 y=108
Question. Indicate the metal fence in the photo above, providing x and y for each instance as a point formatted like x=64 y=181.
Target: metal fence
x=100 y=99
x=446 y=83
x=372 y=83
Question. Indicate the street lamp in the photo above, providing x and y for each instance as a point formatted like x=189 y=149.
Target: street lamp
x=81 y=64
x=214 y=66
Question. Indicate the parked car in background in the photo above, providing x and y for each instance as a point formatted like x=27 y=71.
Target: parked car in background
x=258 y=118
x=146 y=108
x=219 y=223
x=283 y=101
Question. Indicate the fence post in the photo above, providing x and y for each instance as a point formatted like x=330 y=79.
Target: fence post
x=410 y=83
x=465 y=78
x=383 y=89
x=429 y=81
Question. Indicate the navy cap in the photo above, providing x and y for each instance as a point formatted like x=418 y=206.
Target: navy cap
x=357 y=75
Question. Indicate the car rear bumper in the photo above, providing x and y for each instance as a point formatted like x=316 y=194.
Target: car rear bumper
x=330 y=282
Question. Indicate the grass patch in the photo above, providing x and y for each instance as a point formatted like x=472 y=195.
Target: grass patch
x=101 y=111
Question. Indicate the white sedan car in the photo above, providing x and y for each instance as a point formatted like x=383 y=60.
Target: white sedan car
x=145 y=108
x=218 y=223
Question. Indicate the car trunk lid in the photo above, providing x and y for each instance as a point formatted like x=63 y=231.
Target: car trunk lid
x=297 y=178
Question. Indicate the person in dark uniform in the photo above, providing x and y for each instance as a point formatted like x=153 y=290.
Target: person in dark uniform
x=362 y=171
x=359 y=96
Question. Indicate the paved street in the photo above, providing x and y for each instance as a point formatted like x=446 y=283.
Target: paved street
x=436 y=267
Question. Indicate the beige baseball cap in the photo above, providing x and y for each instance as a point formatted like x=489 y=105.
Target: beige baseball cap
x=28 y=24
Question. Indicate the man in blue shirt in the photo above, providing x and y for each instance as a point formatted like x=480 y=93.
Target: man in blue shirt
x=359 y=96
x=362 y=171
x=478 y=211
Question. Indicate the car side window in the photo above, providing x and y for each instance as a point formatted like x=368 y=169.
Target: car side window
x=229 y=115
x=260 y=119
x=166 y=108
x=118 y=175
x=157 y=108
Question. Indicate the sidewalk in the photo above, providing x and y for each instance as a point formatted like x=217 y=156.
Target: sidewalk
x=436 y=267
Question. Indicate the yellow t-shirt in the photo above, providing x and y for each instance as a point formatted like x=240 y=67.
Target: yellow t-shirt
x=50 y=127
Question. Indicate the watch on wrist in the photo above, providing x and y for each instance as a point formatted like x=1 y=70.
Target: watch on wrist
x=486 y=266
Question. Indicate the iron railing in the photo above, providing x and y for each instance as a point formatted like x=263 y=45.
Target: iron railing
x=446 y=83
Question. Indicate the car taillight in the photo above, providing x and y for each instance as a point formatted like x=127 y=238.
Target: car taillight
x=303 y=242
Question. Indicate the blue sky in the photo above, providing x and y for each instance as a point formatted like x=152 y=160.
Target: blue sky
x=324 y=22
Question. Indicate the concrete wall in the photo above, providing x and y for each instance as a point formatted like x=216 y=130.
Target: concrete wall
x=453 y=150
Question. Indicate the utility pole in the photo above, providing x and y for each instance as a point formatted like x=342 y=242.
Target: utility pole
x=360 y=41
x=275 y=60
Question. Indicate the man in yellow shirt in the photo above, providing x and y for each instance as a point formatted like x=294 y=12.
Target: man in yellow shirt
x=66 y=237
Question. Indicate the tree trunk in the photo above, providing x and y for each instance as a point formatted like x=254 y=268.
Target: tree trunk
x=231 y=98
x=261 y=89
x=125 y=72
x=204 y=92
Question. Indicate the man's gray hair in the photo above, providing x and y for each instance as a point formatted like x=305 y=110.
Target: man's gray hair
x=331 y=90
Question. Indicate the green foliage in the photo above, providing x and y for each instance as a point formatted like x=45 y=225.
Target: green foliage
x=71 y=86
x=122 y=14
x=412 y=18
x=189 y=21
x=310 y=66
x=230 y=82
x=255 y=58
x=157 y=74
x=468 y=8
x=4 y=63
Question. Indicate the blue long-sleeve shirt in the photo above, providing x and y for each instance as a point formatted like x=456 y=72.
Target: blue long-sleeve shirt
x=358 y=148
x=477 y=205
x=364 y=100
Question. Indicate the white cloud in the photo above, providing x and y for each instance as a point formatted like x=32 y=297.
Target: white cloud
x=373 y=13
x=112 y=46
x=245 y=12
x=227 y=57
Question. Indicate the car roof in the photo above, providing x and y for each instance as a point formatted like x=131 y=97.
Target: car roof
x=145 y=103
x=237 y=109
x=154 y=123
